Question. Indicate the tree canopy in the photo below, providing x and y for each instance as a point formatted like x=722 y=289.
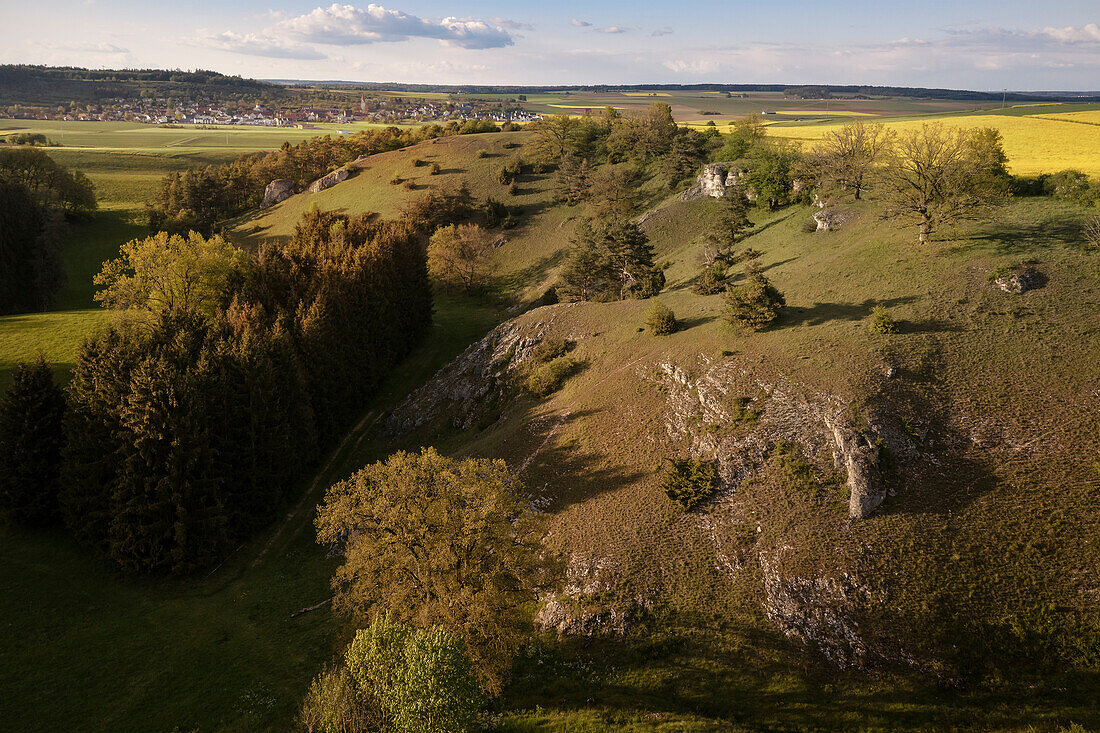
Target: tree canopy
x=439 y=542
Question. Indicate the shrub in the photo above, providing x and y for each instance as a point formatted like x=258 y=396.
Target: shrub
x=410 y=185
x=882 y=321
x=419 y=162
x=661 y=320
x=809 y=226
x=482 y=153
x=547 y=378
x=550 y=349
x=712 y=281
x=334 y=704
x=434 y=169
x=397 y=180
x=690 y=483
x=513 y=189
x=755 y=304
x=787 y=457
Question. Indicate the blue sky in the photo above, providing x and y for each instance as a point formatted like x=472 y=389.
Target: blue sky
x=968 y=44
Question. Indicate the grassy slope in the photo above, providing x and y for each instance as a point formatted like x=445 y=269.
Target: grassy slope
x=596 y=450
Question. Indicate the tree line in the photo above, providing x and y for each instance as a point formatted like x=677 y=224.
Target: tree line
x=38 y=196
x=186 y=424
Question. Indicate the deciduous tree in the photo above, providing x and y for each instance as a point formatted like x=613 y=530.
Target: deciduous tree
x=937 y=175
x=439 y=542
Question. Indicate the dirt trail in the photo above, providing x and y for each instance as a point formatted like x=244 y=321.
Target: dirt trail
x=310 y=496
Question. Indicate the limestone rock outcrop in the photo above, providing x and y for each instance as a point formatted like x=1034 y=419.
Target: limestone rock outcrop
x=328 y=181
x=713 y=181
x=278 y=190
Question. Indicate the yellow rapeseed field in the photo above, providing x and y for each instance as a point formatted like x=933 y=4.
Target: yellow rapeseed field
x=1091 y=117
x=1034 y=144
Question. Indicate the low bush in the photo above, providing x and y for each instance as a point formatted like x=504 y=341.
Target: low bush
x=419 y=162
x=482 y=153
x=547 y=378
x=755 y=305
x=881 y=321
x=689 y=482
x=434 y=169
x=397 y=180
x=712 y=281
x=661 y=320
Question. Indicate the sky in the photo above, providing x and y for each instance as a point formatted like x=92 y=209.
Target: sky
x=962 y=44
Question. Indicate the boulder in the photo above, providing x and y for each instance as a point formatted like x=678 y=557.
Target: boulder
x=831 y=218
x=278 y=190
x=328 y=181
x=1021 y=280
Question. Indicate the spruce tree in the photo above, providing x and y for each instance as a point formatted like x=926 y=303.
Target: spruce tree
x=31 y=414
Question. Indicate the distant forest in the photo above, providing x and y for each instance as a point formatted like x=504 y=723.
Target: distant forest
x=24 y=84
x=806 y=90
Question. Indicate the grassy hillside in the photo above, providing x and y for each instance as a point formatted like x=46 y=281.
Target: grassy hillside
x=997 y=389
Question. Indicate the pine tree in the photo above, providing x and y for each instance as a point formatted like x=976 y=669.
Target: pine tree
x=31 y=437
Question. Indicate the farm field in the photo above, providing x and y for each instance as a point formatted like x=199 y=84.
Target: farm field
x=1035 y=143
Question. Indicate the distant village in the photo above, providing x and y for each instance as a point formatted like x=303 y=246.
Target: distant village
x=379 y=109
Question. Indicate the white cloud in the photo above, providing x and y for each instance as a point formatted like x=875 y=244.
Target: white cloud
x=580 y=23
x=1089 y=33
x=612 y=29
x=104 y=48
x=254 y=45
x=512 y=25
x=342 y=25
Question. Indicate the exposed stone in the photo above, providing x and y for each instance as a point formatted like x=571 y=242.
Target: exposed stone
x=582 y=608
x=817 y=610
x=328 y=181
x=831 y=218
x=278 y=190
x=818 y=423
x=466 y=390
x=1021 y=280
x=858 y=454
x=713 y=181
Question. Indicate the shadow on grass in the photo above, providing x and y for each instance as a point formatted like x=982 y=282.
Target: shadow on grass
x=820 y=313
x=575 y=473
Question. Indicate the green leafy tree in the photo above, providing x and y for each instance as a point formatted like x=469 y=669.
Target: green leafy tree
x=459 y=255
x=170 y=273
x=771 y=172
x=745 y=134
x=439 y=542
x=422 y=679
x=31 y=438
x=334 y=704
